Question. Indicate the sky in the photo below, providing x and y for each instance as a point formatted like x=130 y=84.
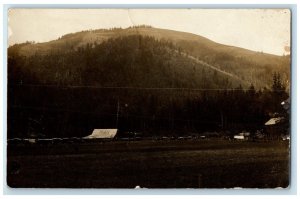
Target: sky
x=262 y=30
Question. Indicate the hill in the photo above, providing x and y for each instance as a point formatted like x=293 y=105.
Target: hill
x=251 y=67
x=127 y=61
x=141 y=79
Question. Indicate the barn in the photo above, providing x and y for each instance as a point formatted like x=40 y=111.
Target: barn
x=275 y=127
x=102 y=134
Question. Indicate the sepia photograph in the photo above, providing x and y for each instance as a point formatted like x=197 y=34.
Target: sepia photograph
x=148 y=98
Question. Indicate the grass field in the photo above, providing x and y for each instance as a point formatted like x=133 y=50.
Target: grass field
x=151 y=164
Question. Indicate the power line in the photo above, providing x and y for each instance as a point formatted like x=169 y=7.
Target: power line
x=112 y=114
x=130 y=87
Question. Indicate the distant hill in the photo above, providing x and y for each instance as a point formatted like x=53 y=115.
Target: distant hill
x=140 y=79
x=241 y=66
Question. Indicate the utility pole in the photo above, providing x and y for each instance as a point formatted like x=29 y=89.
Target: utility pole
x=118 y=108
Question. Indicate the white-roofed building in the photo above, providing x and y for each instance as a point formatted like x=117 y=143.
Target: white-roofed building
x=102 y=134
x=274 y=121
x=275 y=127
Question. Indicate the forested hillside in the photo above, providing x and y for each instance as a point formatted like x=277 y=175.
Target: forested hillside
x=153 y=81
x=255 y=68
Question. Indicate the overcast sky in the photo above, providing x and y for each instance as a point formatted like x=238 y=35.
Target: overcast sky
x=255 y=29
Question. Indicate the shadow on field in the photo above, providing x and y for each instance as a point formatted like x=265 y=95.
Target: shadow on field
x=159 y=164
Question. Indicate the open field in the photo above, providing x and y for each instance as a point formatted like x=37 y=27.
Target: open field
x=151 y=164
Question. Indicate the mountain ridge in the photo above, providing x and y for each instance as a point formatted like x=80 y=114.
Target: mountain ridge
x=250 y=66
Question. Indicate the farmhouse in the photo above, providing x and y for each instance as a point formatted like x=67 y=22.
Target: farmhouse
x=275 y=127
x=242 y=136
x=102 y=134
x=239 y=137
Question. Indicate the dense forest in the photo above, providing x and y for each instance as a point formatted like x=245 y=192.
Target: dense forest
x=135 y=83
